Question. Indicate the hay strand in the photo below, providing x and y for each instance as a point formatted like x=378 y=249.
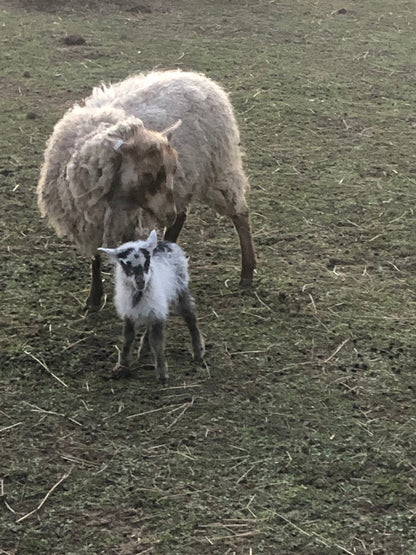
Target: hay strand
x=53 y=488
x=45 y=367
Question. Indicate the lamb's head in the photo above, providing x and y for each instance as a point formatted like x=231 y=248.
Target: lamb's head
x=134 y=259
x=147 y=168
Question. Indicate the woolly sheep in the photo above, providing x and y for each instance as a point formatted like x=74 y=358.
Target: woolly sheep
x=121 y=152
x=151 y=277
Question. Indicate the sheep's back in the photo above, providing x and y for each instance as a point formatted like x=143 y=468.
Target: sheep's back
x=208 y=138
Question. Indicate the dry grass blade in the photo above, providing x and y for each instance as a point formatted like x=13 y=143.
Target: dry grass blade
x=144 y=413
x=241 y=478
x=10 y=427
x=336 y=350
x=259 y=352
x=313 y=534
x=3 y=497
x=233 y=536
x=53 y=488
x=186 y=407
x=45 y=367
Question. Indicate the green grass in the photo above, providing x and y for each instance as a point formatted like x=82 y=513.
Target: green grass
x=298 y=434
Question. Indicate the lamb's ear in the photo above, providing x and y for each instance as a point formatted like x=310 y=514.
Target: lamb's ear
x=151 y=242
x=111 y=253
x=169 y=131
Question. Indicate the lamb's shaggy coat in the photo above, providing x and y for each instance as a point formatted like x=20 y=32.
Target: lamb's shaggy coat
x=92 y=190
x=151 y=278
x=166 y=279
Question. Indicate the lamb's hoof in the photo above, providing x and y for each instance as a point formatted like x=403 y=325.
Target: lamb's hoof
x=163 y=379
x=120 y=371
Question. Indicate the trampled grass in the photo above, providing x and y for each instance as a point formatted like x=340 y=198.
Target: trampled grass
x=297 y=435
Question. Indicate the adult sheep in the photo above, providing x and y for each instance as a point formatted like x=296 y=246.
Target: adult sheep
x=153 y=142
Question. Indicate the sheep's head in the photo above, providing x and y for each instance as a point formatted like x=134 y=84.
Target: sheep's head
x=147 y=168
x=134 y=259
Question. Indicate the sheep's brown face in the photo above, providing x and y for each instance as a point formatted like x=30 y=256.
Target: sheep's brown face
x=147 y=179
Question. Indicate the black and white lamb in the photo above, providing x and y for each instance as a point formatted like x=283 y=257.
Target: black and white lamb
x=124 y=150
x=151 y=277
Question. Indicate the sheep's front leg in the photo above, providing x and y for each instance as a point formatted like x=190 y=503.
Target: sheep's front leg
x=156 y=342
x=172 y=232
x=93 y=302
x=187 y=310
x=248 y=257
x=122 y=368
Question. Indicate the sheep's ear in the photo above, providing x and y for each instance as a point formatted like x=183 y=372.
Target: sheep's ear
x=124 y=133
x=152 y=240
x=111 y=253
x=169 y=131
x=118 y=144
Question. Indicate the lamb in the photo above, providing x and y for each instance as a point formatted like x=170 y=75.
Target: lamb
x=151 y=277
x=148 y=145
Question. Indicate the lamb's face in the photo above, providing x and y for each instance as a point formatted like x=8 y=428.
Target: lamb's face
x=135 y=263
x=148 y=180
x=134 y=258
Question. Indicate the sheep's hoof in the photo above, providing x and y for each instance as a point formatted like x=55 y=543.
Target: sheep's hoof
x=199 y=354
x=246 y=282
x=120 y=371
x=90 y=307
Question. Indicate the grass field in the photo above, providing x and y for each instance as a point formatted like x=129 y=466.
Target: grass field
x=297 y=435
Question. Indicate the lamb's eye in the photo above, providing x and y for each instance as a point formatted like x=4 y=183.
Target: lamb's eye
x=128 y=270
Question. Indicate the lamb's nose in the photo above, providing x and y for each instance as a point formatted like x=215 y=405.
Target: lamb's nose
x=139 y=282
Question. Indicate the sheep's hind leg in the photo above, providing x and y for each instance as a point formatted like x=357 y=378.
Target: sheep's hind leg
x=248 y=257
x=93 y=302
x=156 y=342
x=172 y=232
x=187 y=310
x=122 y=368
x=227 y=195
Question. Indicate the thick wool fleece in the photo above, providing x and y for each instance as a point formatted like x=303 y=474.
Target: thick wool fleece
x=81 y=167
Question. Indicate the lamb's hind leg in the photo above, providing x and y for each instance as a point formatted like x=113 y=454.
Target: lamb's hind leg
x=186 y=308
x=122 y=368
x=156 y=342
x=93 y=302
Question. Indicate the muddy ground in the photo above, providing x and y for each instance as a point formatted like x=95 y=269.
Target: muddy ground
x=297 y=435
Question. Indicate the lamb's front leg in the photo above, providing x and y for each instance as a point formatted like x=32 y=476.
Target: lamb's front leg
x=122 y=368
x=156 y=342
